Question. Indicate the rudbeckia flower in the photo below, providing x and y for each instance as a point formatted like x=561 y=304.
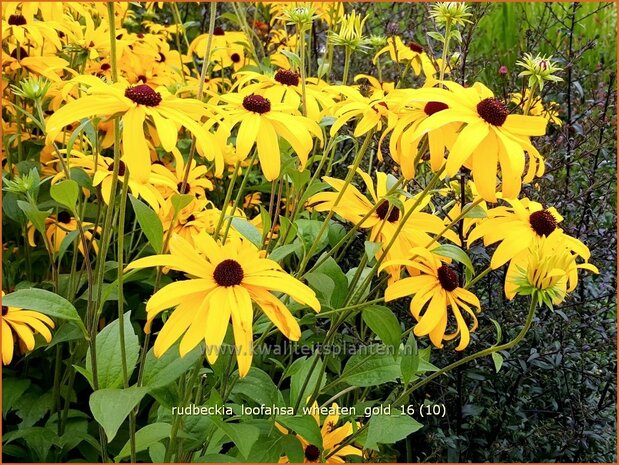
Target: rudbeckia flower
x=21 y=325
x=102 y=171
x=197 y=182
x=24 y=30
x=162 y=112
x=385 y=220
x=537 y=108
x=58 y=227
x=224 y=282
x=517 y=226
x=285 y=87
x=491 y=136
x=547 y=270
x=261 y=122
x=332 y=437
x=404 y=53
x=372 y=111
x=437 y=287
x=403 y=145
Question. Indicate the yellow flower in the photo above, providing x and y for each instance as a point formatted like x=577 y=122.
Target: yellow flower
x=491 y=136
x=371 y=110
x=404 y=53
x=223 y=282
x=260 y=123
x=24 y=30
x=385 y=220
x=19 y=324
x=58 y=227
x=101 y=173
x=285 y=87
x=137 y=105
x=536 y=108
x=517 y=226
x=332 y=437
x=438 y=287
x=404 y=141
x=547 y=270
x=197 y=182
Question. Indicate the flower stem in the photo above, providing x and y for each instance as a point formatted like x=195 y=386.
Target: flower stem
x=347 y=56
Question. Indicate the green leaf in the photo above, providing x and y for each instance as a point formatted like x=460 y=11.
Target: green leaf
x=109 y=364
x=331 y=269
x=456 y=253
x=499 y=331
x=476 y=212
x=297 y=381
x=304 y=426
x=293 y=449
x=110 y=407
x=258 y=387
x=498 y=361
x=65 y=193
x=384 y=323
x=45 y=302
x=370 y=367
x=410 y=359
x=371 y=248
x=388 y=429
x=323 y=285
x=159 y=372
x=244 y=436
x=37 y=217
x=149 y=222
x=12 y=390
x=146 y=437
x=283 y=251
x=248 y=230
x=180 y=201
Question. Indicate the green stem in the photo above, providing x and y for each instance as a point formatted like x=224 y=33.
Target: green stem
x=351 y=172
x=348 y=54
x=445 y=49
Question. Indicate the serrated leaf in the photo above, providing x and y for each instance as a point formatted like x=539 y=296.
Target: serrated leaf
x=146 y=437
x=410 y=359
x=159 y=372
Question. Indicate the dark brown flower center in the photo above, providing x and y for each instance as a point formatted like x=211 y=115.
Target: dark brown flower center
x=542 y=222
x=312 y=453
x=64 y=217
x=492 y=111
x=434 y=107
x=121 y=167
x=448 y=278
x=161 y=58
x=383 y=208
x=286 y=77
x=5 y=310
x=235 y=57
x=257 y=104
x=415 y=47
x=218 y=31
x=17 y=20
x=22 y=53
x=143 y=95
x=190 y=218
x=181 y=189
x=228 y=273
x=105 y=66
